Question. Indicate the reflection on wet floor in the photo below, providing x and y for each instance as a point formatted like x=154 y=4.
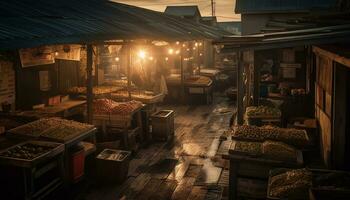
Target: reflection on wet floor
x=186 y=168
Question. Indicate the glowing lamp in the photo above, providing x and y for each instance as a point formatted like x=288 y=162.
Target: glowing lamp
x=171 y=51
x=142 y=54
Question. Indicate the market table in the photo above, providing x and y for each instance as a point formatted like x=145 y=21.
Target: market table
x=239 y=162
x=67 y=132
x=210 y=72
x=23 y=175
x=194 y=86
x=200 y=89
x=141 y=96
x=64 y=109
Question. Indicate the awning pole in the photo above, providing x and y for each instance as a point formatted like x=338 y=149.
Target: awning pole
x=182 y=93
x=240 y=93
x=89 y=83
x=129 y=57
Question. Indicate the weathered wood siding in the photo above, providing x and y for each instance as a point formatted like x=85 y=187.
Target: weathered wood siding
x=323 y=103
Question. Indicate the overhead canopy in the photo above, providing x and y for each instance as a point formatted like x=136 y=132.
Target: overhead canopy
x=30 y=23
x=282 y=6
x=297 y=32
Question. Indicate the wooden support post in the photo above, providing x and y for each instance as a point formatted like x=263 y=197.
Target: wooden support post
x=89 y=83
x=240 y=91
x=256 y=89
x=129 y=69
x=182 y=86
x=233 y=182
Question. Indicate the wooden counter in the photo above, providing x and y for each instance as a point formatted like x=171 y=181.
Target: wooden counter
x=64 y=109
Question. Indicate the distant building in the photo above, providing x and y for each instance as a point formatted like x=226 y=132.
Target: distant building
x=234 y=27
x=187 y=12
x=255 y=14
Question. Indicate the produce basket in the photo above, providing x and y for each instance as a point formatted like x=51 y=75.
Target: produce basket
x=300 y=192
x=295 y=137
x=267 y=150
x=262 y=115
x=325 y=184
x=28 y=154
x=253 y=149
x=55 y=129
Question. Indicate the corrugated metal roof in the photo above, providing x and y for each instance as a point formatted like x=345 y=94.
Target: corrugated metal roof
x=188 y=11
x=265 y=6
x=29 y=23
x=311 y=36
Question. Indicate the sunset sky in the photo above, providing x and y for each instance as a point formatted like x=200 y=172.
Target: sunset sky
x=224 y=8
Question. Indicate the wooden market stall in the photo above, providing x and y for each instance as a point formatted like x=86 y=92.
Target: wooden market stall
x=50 y=70
x=286 y=69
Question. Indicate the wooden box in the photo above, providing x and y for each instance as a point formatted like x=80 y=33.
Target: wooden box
x=112 y=166
x=163 y=125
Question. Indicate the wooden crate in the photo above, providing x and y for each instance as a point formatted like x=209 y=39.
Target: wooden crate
x=163 y=125
x=113 y=166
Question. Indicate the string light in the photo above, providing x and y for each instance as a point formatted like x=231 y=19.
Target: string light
x=171 y=51
x=117 y=59
x=166 y=58
x=196 y=44
x=177 y=43
x=177 y=52
x=150 y=58
x=183 y=45
x=200 y=44
x=194 y=48
x=56 y=53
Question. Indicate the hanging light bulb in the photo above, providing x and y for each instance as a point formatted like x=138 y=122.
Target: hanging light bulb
x=142 y=54
x=171 y=51
x=177 y=52
x=56 y=53
x=117 y=59
x=177 y=42
x=150 y=58
x=200 y=44
x=196 y=44
x=166 y=58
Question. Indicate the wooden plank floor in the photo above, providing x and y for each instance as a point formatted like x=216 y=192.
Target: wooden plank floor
x=190 y=167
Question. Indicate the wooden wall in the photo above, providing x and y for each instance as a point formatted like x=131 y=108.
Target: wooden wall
x=323 y=103
x=62 y=75
x=7 y=83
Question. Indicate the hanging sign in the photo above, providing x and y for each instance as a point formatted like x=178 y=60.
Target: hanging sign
x=36 y=56
x=67 y=52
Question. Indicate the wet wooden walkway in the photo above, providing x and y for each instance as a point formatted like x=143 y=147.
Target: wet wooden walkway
x=187 y=168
